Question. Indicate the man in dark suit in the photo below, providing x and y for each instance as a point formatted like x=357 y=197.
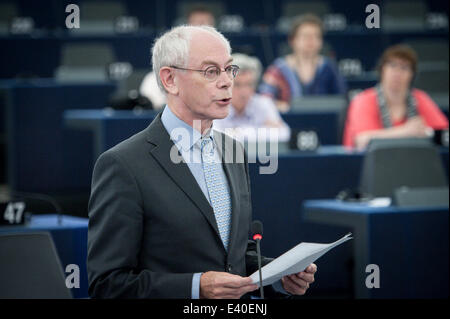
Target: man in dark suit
x=170 y=217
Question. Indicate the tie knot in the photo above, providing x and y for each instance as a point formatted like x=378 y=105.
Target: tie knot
x=206 y=143
x=207 y=149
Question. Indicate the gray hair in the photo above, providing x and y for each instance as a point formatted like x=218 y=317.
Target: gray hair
x=172 y=48
x=248 y=63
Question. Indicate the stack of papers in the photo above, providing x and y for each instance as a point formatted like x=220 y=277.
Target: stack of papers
x=294 y=261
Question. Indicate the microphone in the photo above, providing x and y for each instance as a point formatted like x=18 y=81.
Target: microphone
x=44 y=198
x=257 y=231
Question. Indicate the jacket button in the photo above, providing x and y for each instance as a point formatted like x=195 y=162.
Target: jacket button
x=229 y=268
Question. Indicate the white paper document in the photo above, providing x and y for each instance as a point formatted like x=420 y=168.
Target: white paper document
x=294 y=260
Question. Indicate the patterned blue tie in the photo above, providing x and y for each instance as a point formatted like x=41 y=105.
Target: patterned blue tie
x=217 y=189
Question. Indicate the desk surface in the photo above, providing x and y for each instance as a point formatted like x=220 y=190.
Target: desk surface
x=49 y=222
x=107 y=113
x=364 y=208
x=402 y=242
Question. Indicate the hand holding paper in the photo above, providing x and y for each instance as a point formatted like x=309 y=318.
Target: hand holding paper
x=294 y=260
x=298 y=284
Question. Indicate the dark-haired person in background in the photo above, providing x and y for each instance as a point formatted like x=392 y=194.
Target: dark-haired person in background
x=392 y=109
x=305 y=71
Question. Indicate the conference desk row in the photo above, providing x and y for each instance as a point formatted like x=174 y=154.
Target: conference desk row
x=408 y=247
x=278 y=200
x=298 y=175
x=44 y=151
x=164 y=14
x=109 y=127
x=134 y=48
x=396 y=252
x=52 y=150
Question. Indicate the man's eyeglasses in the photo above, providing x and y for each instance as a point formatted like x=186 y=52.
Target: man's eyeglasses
x=211 y=73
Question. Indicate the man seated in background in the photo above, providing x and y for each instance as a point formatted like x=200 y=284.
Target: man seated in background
x=393 y=109
x=250 y=110
x=198 y=15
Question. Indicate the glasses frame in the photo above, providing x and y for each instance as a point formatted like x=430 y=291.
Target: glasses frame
x=233 y=76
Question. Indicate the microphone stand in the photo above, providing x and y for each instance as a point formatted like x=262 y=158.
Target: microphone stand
x=44 y=198
x=258 y=250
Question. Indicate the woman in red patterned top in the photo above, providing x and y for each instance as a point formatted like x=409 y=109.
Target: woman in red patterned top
x=392 y=109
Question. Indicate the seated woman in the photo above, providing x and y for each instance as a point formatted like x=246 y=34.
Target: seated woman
x=305 y=71
x=392 y=108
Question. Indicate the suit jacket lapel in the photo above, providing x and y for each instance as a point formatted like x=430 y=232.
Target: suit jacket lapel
x=180 y=173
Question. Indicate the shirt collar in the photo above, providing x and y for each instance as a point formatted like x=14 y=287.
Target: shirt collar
x=172 y=124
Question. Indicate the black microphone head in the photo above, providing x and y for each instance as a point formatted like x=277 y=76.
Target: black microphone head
x=257 y=228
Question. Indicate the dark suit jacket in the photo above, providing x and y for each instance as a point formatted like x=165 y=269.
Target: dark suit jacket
x=150 y=226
